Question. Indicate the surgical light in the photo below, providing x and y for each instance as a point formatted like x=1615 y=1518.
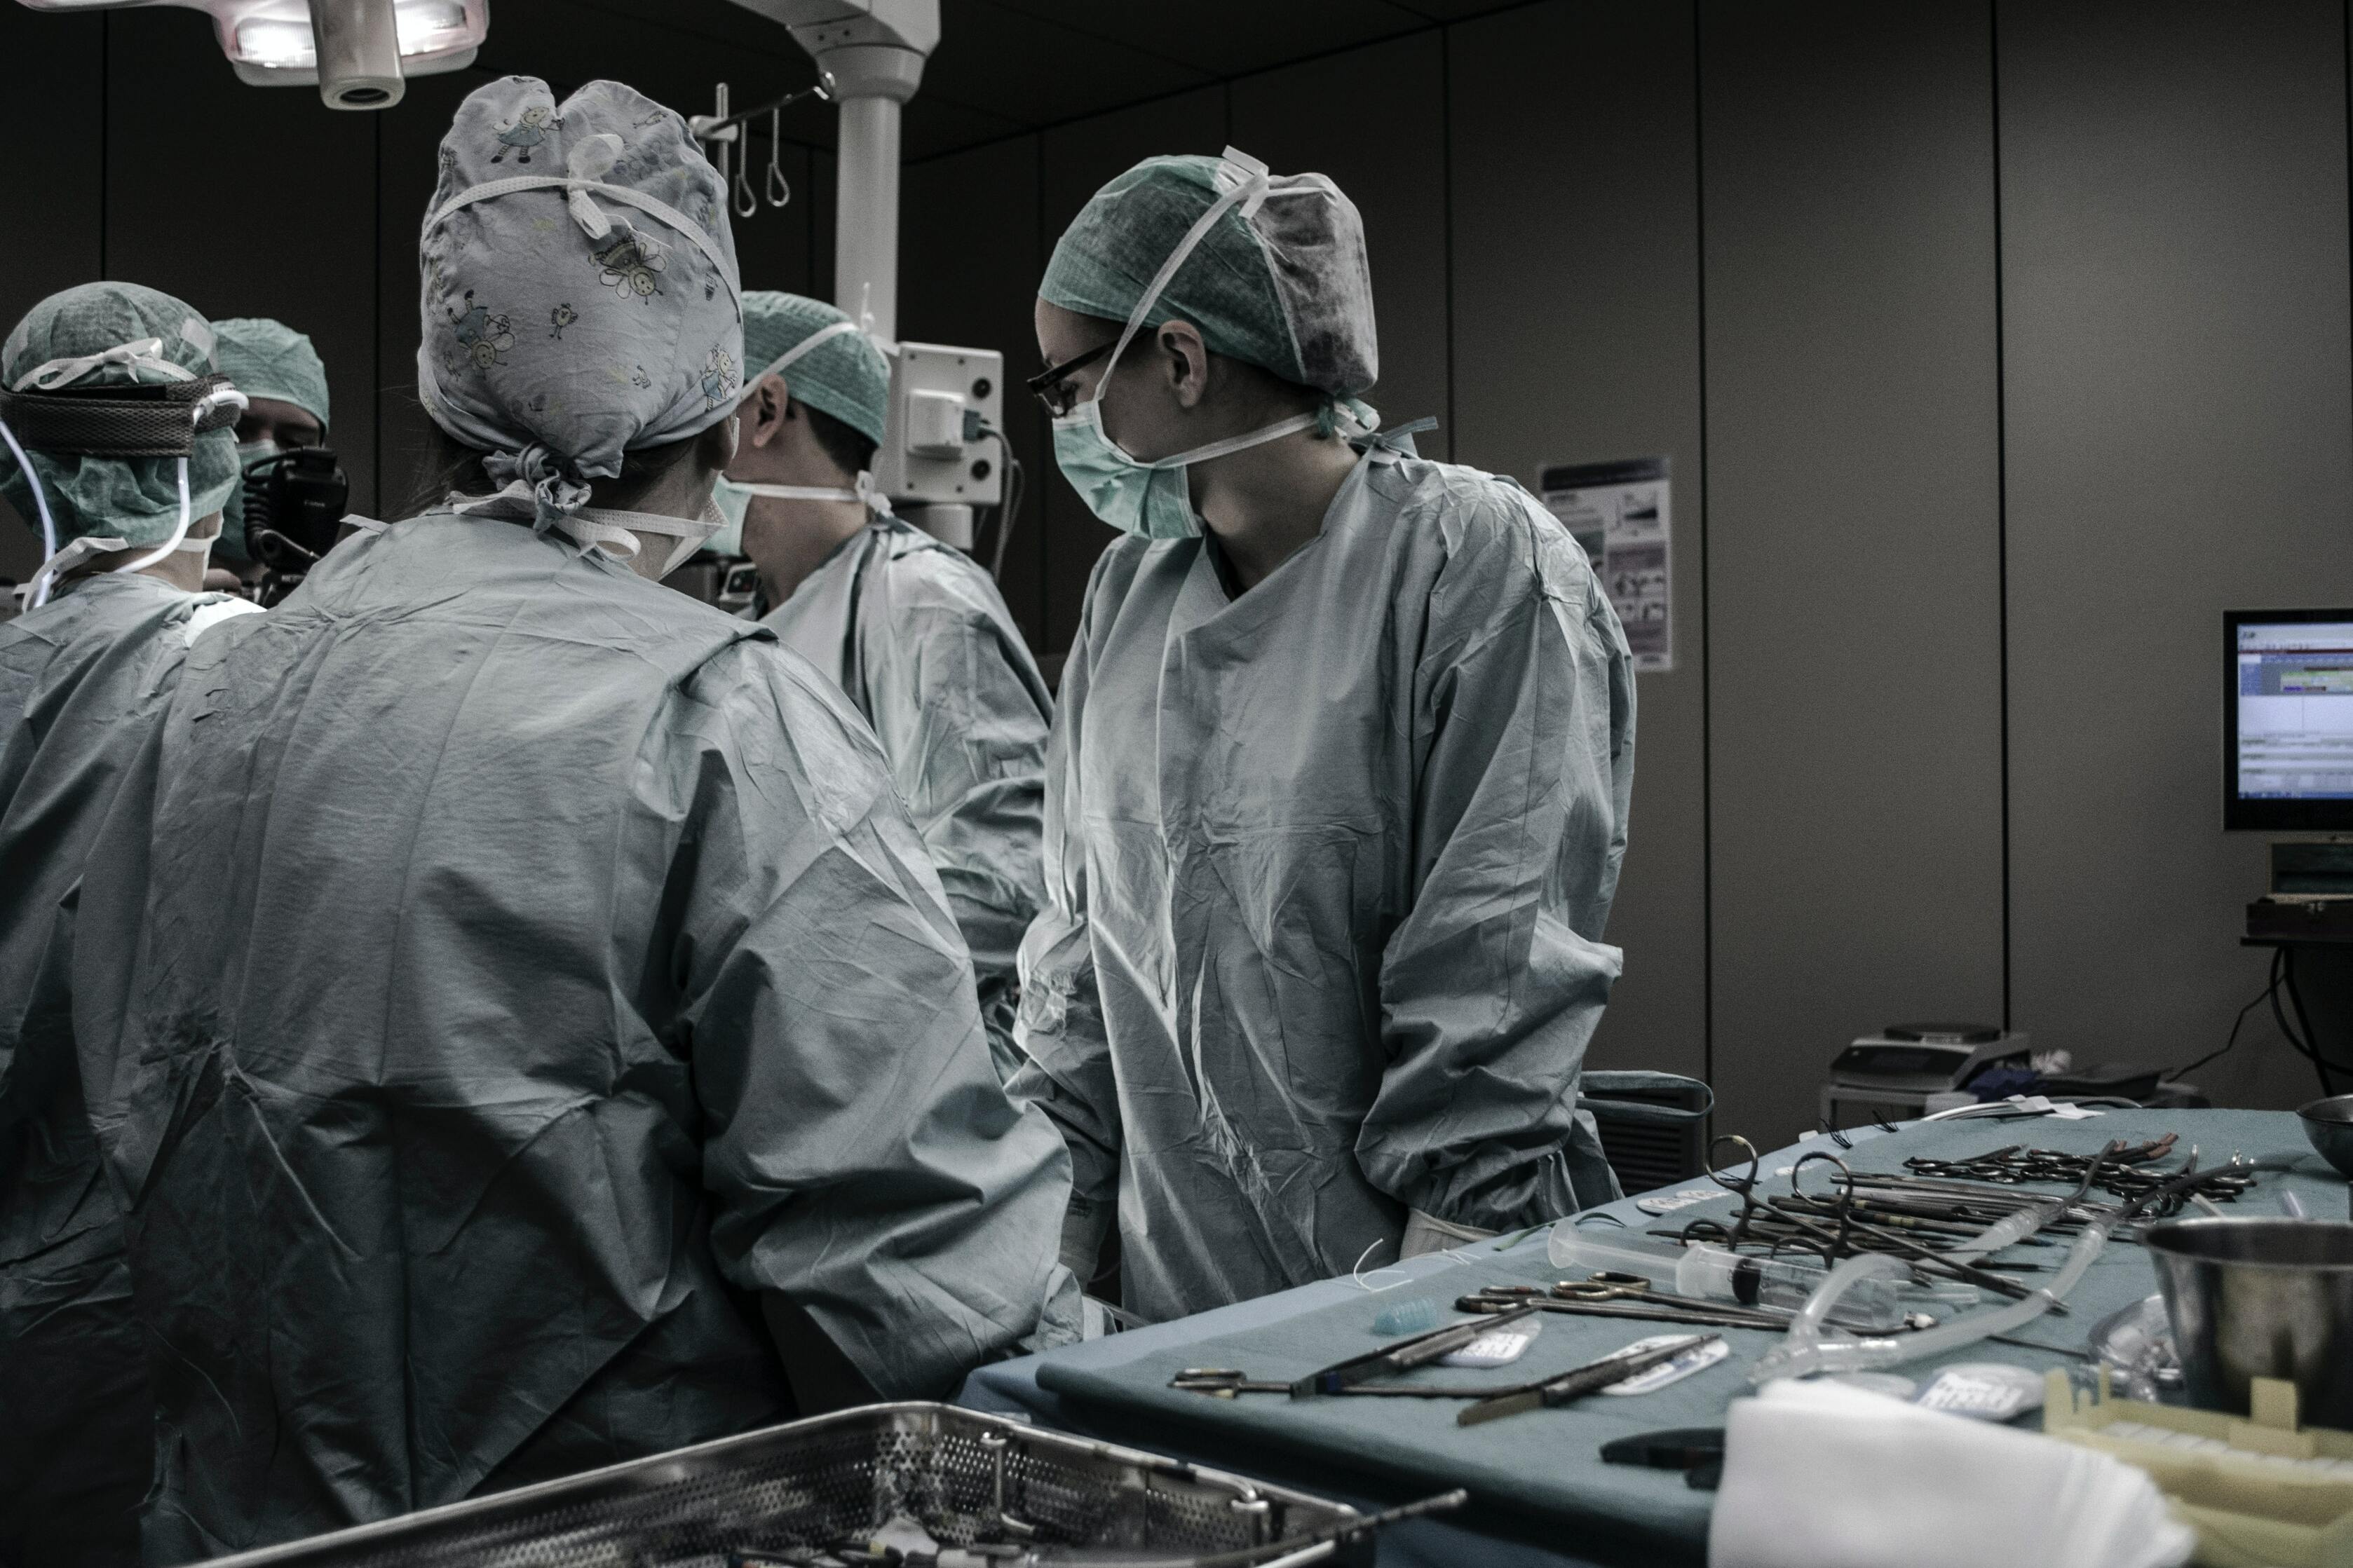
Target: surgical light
x=276 y=43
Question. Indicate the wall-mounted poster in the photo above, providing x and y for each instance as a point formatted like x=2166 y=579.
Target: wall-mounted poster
x=1619 y=513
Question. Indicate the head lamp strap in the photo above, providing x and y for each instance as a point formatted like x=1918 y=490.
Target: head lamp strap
x=117 y=421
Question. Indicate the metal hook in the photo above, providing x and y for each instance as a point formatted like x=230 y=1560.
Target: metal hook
x=780 y=190
x=746 y=200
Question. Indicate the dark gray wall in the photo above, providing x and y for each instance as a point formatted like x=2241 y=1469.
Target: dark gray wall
x=1576 y=327
x=1996 y=353
x=249 y=202
x=1853 y=591
x=2175 y=306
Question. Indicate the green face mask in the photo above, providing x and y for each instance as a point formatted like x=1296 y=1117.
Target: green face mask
x=1153 y=500
x=735 y=499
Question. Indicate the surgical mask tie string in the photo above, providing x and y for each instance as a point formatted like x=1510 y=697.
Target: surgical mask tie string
x=557 y=493
x=610 y=529
x=588 y=161
x=777 y=366
x=1249 y=190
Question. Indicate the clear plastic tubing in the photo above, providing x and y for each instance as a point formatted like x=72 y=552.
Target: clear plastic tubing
x=1877 y=1303
x=1810 y=1348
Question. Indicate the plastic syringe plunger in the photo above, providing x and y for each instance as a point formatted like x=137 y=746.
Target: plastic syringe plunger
x=1701 y=1271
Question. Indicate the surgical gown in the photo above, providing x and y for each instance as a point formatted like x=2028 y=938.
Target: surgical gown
x=528 y=967
x=1327 y=866
x=81 y=679
x=917 y=635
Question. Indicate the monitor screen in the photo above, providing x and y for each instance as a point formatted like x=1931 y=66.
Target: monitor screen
x=2287 y=721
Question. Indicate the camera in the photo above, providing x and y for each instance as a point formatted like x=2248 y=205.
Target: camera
x=294 y=504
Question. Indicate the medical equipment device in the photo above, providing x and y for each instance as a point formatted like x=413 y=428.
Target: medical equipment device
x=784 y=1493
x=1403 y=1356
x=1643 y=1305
x=1590 y=1378
x=942 y=452
x=2259 y=1297
x=1809 y=1348
x=1713 y=1273
x=294 y=507
x=358 y=51
x=2287 y=721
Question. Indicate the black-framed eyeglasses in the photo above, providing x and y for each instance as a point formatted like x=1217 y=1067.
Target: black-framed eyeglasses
x=1054 y=387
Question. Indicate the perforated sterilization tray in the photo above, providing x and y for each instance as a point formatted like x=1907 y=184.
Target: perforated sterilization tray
x=964 y=1477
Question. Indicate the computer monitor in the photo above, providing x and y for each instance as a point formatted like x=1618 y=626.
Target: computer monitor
x=2287 y=721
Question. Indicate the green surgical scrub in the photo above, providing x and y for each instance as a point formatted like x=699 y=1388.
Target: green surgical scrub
x=918 y=637
x=81 y=678
x=1327 y=866
x=527 y=968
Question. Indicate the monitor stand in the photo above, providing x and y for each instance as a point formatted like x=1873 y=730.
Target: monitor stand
x=2317 y=981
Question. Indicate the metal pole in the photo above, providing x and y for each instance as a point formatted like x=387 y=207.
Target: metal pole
x=866 y=216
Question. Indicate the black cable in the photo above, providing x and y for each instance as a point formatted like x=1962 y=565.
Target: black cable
x=2299 y=1036
x=1015 y=482
x=2266 y=993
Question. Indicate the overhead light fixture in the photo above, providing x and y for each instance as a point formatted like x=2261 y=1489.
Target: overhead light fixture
x=276 y=43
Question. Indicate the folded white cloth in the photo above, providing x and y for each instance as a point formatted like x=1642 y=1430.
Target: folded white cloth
x=1818 y=1476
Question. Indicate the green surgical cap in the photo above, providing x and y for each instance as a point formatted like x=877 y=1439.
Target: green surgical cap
x=270 y=358
x=1285 y=287
x=846 y=375
x=136 y=500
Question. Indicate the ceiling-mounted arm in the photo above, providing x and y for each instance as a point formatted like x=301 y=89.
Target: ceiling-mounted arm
x=869 y=54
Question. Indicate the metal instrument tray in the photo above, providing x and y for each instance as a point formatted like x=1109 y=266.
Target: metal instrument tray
x=964 y=1476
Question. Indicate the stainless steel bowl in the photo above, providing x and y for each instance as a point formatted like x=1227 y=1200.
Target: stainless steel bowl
x=2329 y=1124
x=2261 y=1297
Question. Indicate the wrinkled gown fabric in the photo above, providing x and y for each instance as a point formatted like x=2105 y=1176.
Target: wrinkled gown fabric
x=81 y=679
x=1327 y=866
x=918 y=637
x=527 y=966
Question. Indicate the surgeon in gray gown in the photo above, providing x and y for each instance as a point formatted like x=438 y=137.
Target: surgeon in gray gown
x=912 y=630
x=1337 y=792
x=530 y=1032
x=81 y=672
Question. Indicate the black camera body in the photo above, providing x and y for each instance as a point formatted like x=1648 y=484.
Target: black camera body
x=294 y=503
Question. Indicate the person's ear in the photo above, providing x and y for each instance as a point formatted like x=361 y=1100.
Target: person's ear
x=768 y=408
x=1186 y=360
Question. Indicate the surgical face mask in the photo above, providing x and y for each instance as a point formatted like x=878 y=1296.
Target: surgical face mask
x=1154 y=499
x=734 y=499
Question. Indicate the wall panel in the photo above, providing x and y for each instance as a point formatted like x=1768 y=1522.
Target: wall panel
x=245 y=202
x=1393 y=166
x=2174 y=229
x=968 y=268
x=407 y=165
x=58 y=196
x=1853 y=544
x=1576 y=322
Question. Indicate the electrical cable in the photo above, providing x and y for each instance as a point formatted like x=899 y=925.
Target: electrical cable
x=2265 y=995
x=1015 y=482
x=2299 y=1036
